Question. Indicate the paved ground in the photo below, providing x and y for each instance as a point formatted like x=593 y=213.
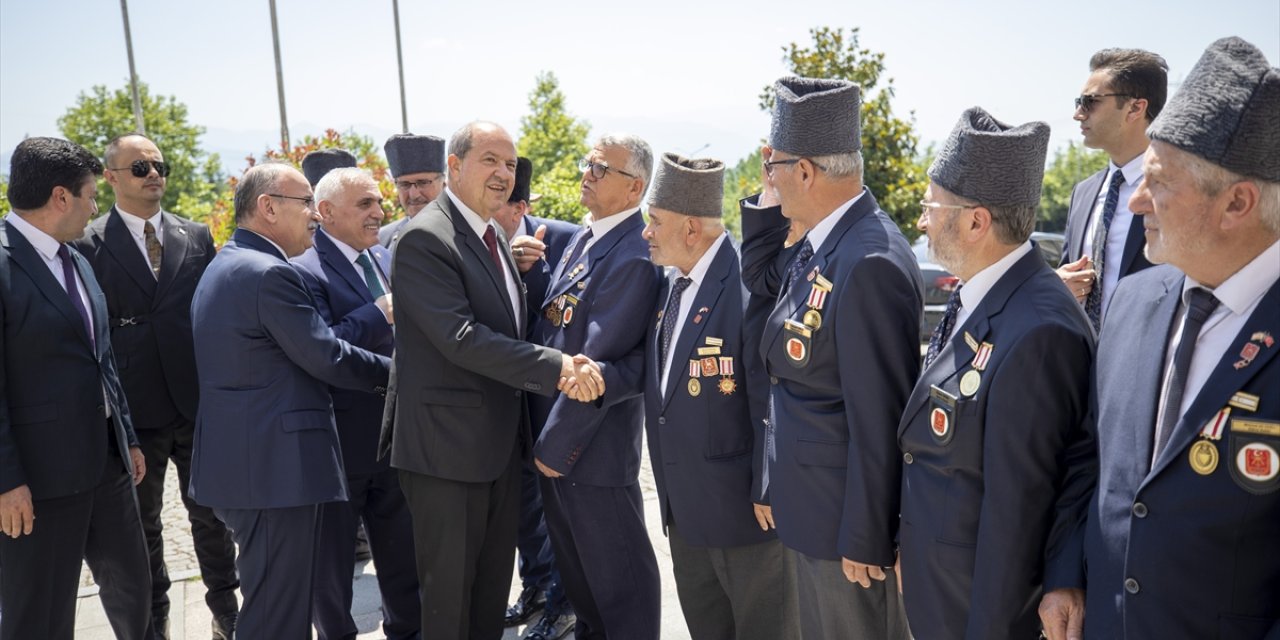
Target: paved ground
x=190 y=618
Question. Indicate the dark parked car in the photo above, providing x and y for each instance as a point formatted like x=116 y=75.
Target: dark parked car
x=938 y=283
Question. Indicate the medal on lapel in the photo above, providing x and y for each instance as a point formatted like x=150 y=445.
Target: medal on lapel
x=695 y=387
x=796 y=342
x=972 y=379
x=944 y=406
x=569 y=303
x=727 y=384
x=1256 y=467
x=1203 y=455
x=1251 y=350
x=816 y=301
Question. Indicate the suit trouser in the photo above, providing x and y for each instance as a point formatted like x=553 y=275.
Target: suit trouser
x=40 y=573
x=464 y=535
x=536 y=558
x=277 y=553
x=215 y=551
x=833 y=607
x=376 y=499
x=605 y=559
x=736 y=593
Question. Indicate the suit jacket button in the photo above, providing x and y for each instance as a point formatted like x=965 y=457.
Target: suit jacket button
x=662 y=419
x=908 y=458
x=773 y=379
x=1139 y=510
x=517 y=394
x=1132 y=586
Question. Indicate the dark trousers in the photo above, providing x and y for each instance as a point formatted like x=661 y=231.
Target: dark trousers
x=463 y=537
x=277 y=553
x=833 y=607
x=536 y=559
x=376 y=499
x=40 y=573
x=215 y=551
x=605 y=559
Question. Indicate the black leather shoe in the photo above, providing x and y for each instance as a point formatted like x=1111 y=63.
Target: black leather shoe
x=552 y=626
x=224 y=626
x=531 y=601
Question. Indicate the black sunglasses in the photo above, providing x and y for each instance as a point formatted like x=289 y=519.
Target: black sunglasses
x=1087 y=100
x=142 y=168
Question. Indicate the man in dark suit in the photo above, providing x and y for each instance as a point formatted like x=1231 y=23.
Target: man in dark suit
x=705 y=413
x=266 y=447
x=1188 y=384
x=1001 y=399
x=598 y=303
x=417 y=164
x=1124 y=92
x=462 y=431
x=536 y=246
x=347 y=272
x=849 y=303
x=69 y=458
x=148 y=262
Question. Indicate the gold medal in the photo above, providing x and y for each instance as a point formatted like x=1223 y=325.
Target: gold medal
x=1204 y=457
x=695 y=387
x=813 y=319
x=969 y=383
x=727 y=386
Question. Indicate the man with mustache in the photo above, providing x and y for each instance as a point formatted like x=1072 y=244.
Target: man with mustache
x=417 y=164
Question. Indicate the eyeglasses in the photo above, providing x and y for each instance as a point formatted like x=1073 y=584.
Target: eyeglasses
x=768 y=165
x=1087 y=100
x=926 y=207
x=599 y=169
x=405 y=185
x=308 y=202
x=142 y=168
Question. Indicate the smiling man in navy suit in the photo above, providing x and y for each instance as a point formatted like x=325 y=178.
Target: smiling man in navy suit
x=1181 y=539
x=705 y=415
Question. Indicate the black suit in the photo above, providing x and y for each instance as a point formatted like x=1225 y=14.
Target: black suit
x=150 y=320
x=460 y=432
x=56 y=438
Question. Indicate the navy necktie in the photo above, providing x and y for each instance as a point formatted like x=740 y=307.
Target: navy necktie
x=669 y=317
x=797 y=265
x=942 y=332
x=1093 y=303
x=578 y=248
x=73 y=289
x=1200 y=306
x=371 y=276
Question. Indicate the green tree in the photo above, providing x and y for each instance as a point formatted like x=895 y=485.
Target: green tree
x=4 y=194
x=740 y=180
x=196 y=180
x=553 y=140
x=1069 y=166
x=891 y=167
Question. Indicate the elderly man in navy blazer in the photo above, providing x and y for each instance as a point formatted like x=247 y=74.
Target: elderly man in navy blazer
x=347 y=273
x=598 y=302
x=705 y=415
x=267 y=453
x=1125 y=91
x=1181 y=540
x=1002 y=398
x=842 y=351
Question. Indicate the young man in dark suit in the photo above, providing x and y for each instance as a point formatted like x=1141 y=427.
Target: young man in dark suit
x=69 y=458
x=148 y=262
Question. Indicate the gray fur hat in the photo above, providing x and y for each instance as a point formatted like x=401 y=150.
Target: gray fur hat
x=322 y=161
x=992 y=163
x=816 y=117
x=407 y=153
x=1227 y=111
x=692 y=187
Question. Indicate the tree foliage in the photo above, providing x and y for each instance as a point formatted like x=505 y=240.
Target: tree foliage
x=1069 y=166
x=4 y=194
x=553 y=140
x=740 y=181
x=892 y=169
x=196 y=181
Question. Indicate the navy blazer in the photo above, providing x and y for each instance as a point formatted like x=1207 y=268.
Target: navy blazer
x=1083 y=197
x=834 y=463
x=1171 y=552
x=538 y=278
x=615 y=286
x=707 y=448
x=150 y=316
x=344 y=301
x=53 y=421
x=265 y=435
x=980 y=488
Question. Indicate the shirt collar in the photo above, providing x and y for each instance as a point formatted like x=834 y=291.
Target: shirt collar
x=818 y=234
x=269 y=240
x=45 y=244
x=601 y=227
x=699 y=271
x=1132 y=170
x=347 y=250
x=1246 y=286
x=473 y=219
x=977 y=287
x=135 y=223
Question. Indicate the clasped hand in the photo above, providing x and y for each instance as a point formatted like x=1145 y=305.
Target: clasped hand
x=580 y=378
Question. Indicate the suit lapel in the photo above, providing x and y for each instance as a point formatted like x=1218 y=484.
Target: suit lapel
x=30 y=261
x=333 y=256
x=696 y=322
x=1133 y=245
x=480 y=253
x=565 y=276
x=121 y=245
x=176 y=244
x=97 y=304
x=1093 y=188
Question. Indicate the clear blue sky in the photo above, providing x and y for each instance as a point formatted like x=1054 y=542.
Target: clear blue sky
x=682 y=74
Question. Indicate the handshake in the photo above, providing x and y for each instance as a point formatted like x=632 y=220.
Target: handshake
x=580 y=378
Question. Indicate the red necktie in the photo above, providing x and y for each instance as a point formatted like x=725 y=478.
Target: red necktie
x=491 y=241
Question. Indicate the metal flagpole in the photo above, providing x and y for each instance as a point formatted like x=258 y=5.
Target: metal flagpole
x=284 y=119
x=404 y=111
x=133 y=73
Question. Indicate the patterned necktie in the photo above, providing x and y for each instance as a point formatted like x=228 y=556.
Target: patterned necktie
x=1093 y=303
x=370 y=276
x=1200 y=306
x=155 y=252
x=73 y=289
x=669 y=317
x=942 y=332
x=491 y=241
x=797 y=265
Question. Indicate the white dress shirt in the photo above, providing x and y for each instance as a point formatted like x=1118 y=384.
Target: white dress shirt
x=601 y=227
x=135 y=224
x=1118 y=234
x=818 y=234
x=478 y=225
x=697 y=275
x=351 y=255
x=977 y=287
